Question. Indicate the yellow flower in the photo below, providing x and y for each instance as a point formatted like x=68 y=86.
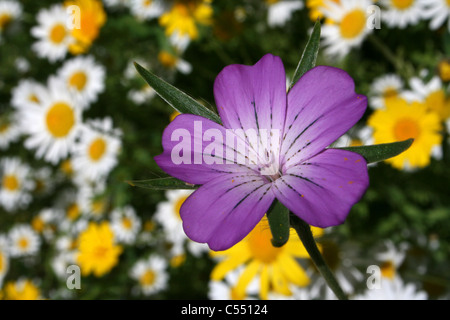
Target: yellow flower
x=276 y=267
x=184 y=16
x=438 y=102
x=315 y=8
x=401 y=121
x=98 y=253
x=21 y=290
x=92 y=18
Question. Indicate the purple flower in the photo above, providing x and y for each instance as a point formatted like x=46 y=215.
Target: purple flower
x=272 y=145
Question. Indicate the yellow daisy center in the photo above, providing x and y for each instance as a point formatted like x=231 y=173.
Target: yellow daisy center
x=353 y=23
x=406 y=128
x=1 y=262
x=448 y=3
x=23 y=243
x=10 y=182
x=260 y=245
x=78 y=80
x=73 y=211
x=178 y=204
x=388 y=270
x=97 y=148
x=60 y=119
x=167 y=59
x=4 y=127
x=147 y=3
x=127 y=223
x=100 y=251
x=403 y=4
x=444 y=66
x=4 y=20
x=272 y=1
x=38 y=224
x=148 y=278
x=57 y=33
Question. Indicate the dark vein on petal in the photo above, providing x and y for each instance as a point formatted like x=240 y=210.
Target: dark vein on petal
x=306 y=179
x=246 y=196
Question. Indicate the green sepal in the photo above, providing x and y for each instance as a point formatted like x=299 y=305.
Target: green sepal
x=166 y=183
x=380 y=152
x=278 y=216
x=176 y=98
x=309 y=55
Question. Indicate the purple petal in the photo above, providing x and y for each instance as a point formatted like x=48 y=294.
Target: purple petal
x=223 y=211
x=322 y=190
x=322 y=106
x=252 y=97
x=196 y=150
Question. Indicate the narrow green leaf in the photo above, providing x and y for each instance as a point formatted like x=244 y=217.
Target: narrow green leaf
x=176 y=98
x=380 y=152
x=166 y=183
x=309 y=56
x=278 y=216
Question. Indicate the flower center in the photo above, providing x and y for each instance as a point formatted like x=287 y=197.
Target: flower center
x=403 y=4
x=388 y=270
x=23 y=243
x=4 y=20
x=177 y=206
x=100 y=252
x=78 y=80
x=97 y=149
x=10 y=182
x=147 y=3
x=72 y=211
x=38 y=224
x=1 y=262
x=127 y=223
x=148 y=278
x=406 y=128
x=167 y=60
x=60 y=119
x=4 y=127
x=260 y=244
x=353 y=23
x=58 y=33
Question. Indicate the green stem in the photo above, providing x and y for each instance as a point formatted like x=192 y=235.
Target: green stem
x=304 y=232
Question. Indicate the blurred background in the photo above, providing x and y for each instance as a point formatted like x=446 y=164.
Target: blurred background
x=77 y=122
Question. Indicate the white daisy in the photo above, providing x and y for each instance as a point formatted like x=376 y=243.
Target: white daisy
x=349 y=27
x=9 y=11
x=172 y=61
x=279 y=12
x=9 y=130
x=389 y=86
x=27 y=93
x=96 y=154
x=432 y=93
x=15 y=184
x=401 y=13
x=45 y=222
x=53 y=36
x=167 y=214
x=93 y=201
x=436 y=10
x=179 y=41
x=53 y=127
x=394 y=289
x=4 y=257
x=224 y=289
x=61 y=261
x=391 y=259
x=125 y=224
x=145 y=94
x=147 y=9
x=84 y=77
x=43 y=182
x=23 y=240
x=151 y=274
x=68 y=204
